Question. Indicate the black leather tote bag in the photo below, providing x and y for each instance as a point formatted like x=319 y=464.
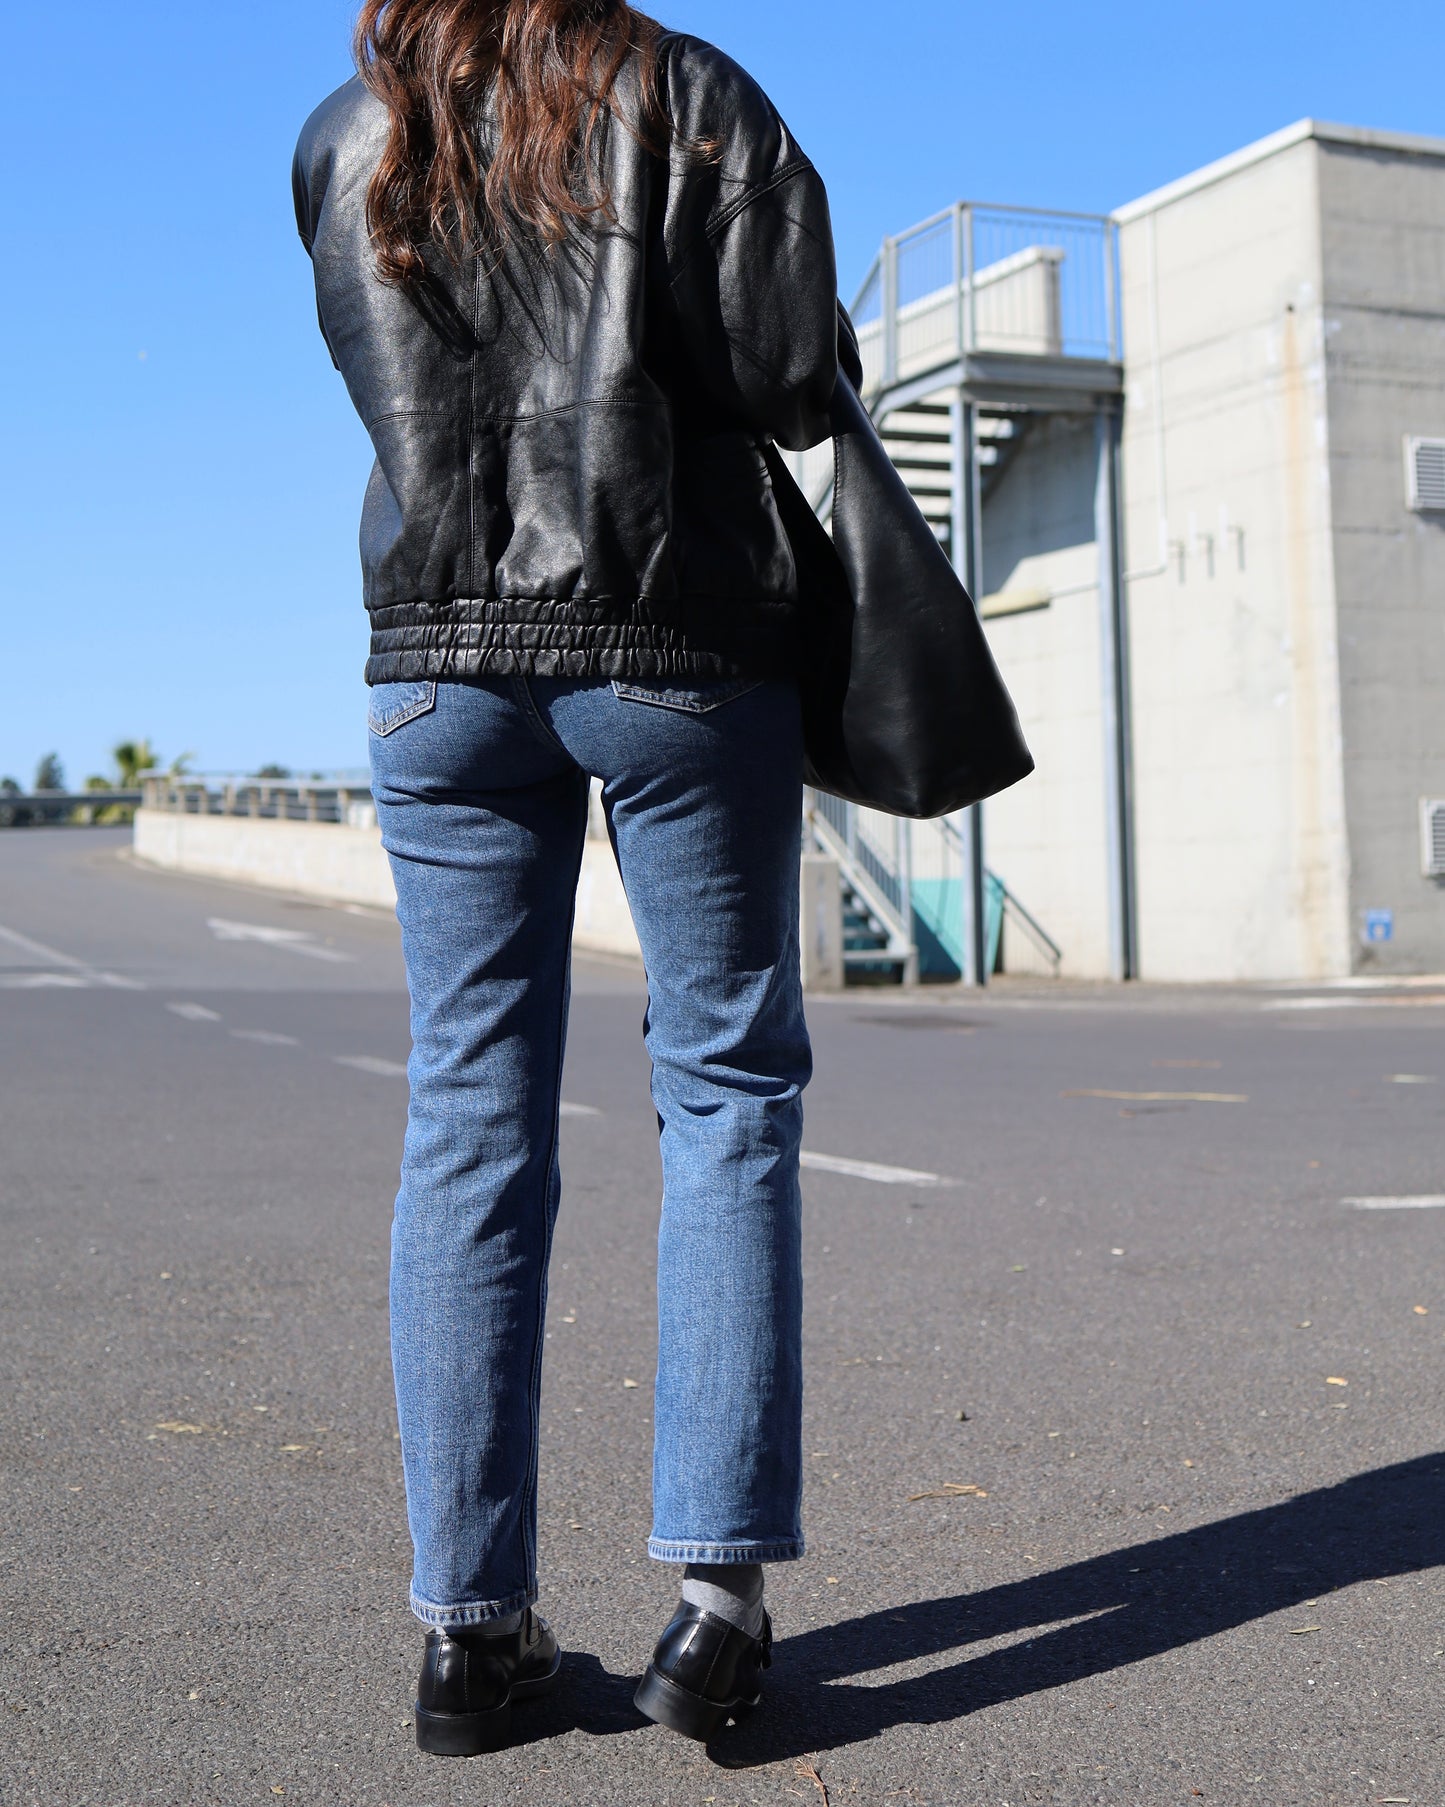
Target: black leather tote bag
x=903 y=706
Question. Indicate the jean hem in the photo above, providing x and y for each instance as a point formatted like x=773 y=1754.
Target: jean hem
x=789 y=1549
x=475 y=1612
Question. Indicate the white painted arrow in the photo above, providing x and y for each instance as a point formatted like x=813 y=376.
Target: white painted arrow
x=291 y=941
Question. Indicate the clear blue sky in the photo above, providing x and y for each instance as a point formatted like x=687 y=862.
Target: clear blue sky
x=182 y=473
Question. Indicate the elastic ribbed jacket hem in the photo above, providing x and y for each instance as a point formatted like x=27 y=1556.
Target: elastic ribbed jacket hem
x=701 y=640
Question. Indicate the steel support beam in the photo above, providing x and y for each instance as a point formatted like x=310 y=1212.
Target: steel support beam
x=966 y=536
x=1114 y=699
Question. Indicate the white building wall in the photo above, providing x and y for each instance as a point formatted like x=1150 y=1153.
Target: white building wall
x=1242 y=862
x=1383 y=226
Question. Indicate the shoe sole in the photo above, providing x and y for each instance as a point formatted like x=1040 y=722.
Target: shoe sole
x=680 y=1710
x=477 y=1734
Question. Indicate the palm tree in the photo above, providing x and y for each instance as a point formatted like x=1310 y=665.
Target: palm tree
x=132 y=759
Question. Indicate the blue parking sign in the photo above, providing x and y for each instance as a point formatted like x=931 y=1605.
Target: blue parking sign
x=1379 y=926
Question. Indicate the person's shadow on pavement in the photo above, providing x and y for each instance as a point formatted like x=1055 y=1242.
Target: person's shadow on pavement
x=1125 y=1607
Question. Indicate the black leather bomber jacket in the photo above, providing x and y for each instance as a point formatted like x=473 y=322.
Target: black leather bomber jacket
x=569 y=475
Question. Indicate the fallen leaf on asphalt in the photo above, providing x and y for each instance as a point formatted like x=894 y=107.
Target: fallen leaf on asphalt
x=292 y=1449
x=1393 y=1800
x=1303 y=1631
x=808 y=1773
x=1421 y=1311
x=1335 y=1380
x=1163 y=1097
x=1188 y=1463
x=630 y=1384
x=177 y=1429
x=951 y=1490
x=832 y=1581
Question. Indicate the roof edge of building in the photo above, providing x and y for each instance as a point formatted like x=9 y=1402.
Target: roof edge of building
x=1357 y=137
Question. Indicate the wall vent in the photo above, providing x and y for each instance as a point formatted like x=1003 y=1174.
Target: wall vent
x=1432 y=836
x=1425 y=473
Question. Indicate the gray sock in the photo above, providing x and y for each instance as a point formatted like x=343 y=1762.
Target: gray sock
x=732 y=1590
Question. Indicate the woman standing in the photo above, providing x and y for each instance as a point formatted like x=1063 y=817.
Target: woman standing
x=577 y=274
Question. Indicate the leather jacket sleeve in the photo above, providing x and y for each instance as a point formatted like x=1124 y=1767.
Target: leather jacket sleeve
x=749 y=244
x=309 y=177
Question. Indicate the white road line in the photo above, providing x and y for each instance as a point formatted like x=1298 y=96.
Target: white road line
x=43 y=982
x=1425 y=1201
x=368 y=1063
x=266 y=1038
x=194 y=1013
x=291 y=941
x=871 y=1170
x=1317 y=1004
x=392 y=1069
x=1431 y=1001
x=49 y=956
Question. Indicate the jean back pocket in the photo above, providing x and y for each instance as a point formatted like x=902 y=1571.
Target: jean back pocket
x=688 y=699
x=392 y=706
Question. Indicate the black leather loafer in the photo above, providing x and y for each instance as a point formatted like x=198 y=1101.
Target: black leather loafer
x=704 y=1672
x=470 y=1679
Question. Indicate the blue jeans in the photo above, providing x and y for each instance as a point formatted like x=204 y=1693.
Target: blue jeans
x=482 y=793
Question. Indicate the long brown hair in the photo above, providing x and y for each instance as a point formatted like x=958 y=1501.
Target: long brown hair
x=554 y=67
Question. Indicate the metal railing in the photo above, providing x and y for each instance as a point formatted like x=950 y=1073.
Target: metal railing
x=874 y=855
x=985 y=278
x=344 y=800
x=911 y=876
x=39 y=809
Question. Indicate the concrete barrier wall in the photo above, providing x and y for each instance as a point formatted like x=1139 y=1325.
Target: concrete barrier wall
x=347 y=865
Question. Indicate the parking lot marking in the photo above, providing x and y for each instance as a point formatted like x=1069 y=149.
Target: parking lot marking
x=79 y=972
x=872 y=1170
x=368 y=1063
x=1425 y=1201
x=290 y=941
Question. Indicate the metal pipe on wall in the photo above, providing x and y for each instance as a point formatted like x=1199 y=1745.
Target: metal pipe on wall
x=967 y=551
x=1114 y=701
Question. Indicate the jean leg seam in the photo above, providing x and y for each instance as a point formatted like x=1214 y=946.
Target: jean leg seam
x=528 y=705
x=550 y=1210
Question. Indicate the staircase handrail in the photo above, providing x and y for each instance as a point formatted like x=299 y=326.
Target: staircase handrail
x=900 y=940
x=1030 y=923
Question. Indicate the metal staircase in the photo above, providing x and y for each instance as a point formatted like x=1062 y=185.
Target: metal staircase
x=972 y=326
x=919 y=440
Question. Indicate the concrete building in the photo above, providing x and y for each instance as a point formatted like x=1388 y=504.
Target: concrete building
x=1191 y=461
x=1259 y=809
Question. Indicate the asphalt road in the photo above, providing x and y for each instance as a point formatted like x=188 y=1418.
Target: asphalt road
x=1126 y=1443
